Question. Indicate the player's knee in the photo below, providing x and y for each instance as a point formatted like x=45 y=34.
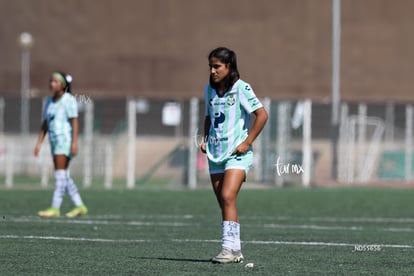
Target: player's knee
x=228 y=198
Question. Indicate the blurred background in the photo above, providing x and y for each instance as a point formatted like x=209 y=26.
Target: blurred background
x=339 y=96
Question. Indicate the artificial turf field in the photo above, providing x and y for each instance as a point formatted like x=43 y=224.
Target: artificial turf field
x=291 y=231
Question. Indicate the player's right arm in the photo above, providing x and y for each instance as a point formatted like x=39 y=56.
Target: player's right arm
x=207 y=119
x=207 y=124
x=41 y=137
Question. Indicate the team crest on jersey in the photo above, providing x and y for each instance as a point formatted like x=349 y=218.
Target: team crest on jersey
x=231 y=100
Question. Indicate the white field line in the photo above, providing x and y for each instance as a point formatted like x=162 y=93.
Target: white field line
x=370 y=220
x=70 y=239
x=333 y=219
x=271 y=218
x=99 y=222
x=401 y=246
x=141 y=216
x=181 y=224
x=313 y=227
x=331 y=228
x=408 y=246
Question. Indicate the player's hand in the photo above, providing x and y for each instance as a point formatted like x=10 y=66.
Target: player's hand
x=203 y=148
x=36 y=150
x=242 y=148
x=74 y=149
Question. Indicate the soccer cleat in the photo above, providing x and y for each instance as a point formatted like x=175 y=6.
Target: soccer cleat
x=49 y=213
x=77 y=211
x=227 y=256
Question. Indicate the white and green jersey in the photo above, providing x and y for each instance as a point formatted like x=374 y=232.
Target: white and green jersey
x=57 y=115
x=230 y=115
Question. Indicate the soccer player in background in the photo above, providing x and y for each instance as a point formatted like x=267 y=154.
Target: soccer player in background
x=228 y=142
x=60 y=119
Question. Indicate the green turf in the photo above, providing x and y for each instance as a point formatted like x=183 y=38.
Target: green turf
x=33 y=182
x=147 y=232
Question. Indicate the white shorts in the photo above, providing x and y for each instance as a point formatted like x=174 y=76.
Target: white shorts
x=61 y=146
x=242 y=162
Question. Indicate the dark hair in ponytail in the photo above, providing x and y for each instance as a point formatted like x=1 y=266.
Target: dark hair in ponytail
x=229 y=57
x=68 y=80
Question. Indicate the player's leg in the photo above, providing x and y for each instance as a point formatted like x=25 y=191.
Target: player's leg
x=227 y=197
x=235 y=173
x=232 y=182
x=217 y=183
x=60 y=163
x=231 y=249
x=216 y=177
x=80 y=208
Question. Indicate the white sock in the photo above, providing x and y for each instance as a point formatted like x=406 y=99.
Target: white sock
x=60 y=186
x=230 y=235
x=237 y=244
x=73 y=190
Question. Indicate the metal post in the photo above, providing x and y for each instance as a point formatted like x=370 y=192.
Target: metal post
x=2 y=107
x=344 y=143
x=108 y=165
x=283 y=134
x=389 y=122
x=192 y=150
x=88 y=144
x=26 y=42
x=179 y=128
x=3 y=144
x=336 y=59
x=263 y=162
x=307 y=143
x=362 y=133
x=408 y=141
x=25 y=97
x=9 y=164
x=132 y=125
x=351 y=151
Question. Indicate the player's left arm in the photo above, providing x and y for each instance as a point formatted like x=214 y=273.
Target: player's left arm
x=251 y=104
x=72 y=113
x=75 y=131
x=258 y=125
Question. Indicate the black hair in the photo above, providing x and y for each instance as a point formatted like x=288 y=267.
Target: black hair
x=229 y=57
x=68 y=80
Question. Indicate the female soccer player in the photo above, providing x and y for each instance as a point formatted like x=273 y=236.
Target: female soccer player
x=60 y=119
x=228 y=142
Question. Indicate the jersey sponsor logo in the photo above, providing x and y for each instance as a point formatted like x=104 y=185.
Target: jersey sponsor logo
x=218 y=119
x=254 y=101
x=231 y=100
x=247 y=87
x=216 y=103
x=212 y=140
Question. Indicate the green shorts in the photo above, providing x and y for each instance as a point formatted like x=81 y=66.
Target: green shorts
x=241 y=162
